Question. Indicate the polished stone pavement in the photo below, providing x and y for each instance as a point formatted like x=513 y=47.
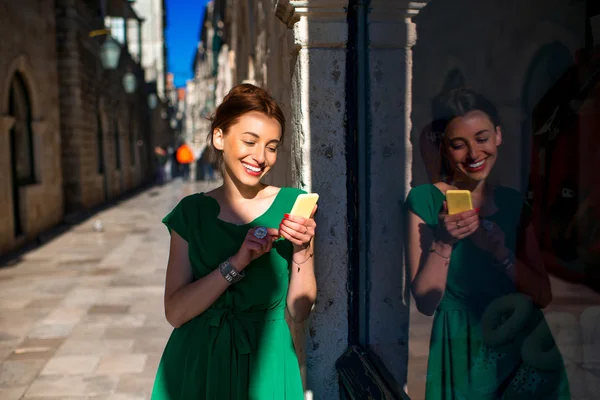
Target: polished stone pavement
x=82 y=317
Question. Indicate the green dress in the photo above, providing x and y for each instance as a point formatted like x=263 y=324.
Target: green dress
x=456 y=352
x=241 y=347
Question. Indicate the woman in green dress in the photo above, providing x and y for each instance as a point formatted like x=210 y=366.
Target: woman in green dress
x=479 y=272
x=237 y=261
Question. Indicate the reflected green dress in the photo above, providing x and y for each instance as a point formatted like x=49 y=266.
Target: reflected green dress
x=241 y=347
x=472 y=284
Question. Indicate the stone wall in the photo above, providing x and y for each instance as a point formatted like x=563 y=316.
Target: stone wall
x=87 y=93
x=28 y=48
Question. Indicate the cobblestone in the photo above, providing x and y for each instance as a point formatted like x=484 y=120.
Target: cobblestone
x=82 y=317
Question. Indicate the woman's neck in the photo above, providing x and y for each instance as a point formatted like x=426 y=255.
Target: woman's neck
x=476 y=188
x=234 y=190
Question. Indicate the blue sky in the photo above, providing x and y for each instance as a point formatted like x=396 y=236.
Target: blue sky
x=183 y=30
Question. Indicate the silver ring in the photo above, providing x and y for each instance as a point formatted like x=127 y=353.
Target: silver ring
x=260 y=232
x=458 y=225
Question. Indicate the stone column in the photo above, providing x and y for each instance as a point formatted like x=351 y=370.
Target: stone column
x=319 y=165
x=392 y=34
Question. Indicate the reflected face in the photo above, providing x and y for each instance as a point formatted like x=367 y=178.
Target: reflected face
x=249 y=147
x=471 y=145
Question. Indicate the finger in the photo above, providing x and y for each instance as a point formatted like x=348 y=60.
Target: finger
x=291 y=235
x=273 y=232
x=290 y=238
x=462 y=216
x=445 y=207
x=269 y=246
x=300 y=228
x=253 y=246
x=294 y=218
x=254 y=239
x=314 y=211
x=470 y=220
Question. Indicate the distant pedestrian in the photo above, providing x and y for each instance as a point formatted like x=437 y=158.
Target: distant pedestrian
x=237 y=261
x=185 y=157
x=161 y=161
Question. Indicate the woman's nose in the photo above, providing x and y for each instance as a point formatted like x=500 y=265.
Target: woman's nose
x=473 y=152
x=259 y=155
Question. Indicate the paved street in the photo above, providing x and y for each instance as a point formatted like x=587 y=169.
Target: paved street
x=82 y=317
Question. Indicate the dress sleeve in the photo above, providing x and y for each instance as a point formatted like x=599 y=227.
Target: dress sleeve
x=177 y=219
x=423 y=201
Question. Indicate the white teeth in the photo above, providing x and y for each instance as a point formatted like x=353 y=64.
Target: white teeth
x=476 y=165
x=251 y=168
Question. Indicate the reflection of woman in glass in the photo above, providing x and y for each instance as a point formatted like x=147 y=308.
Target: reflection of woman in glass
x=237 y=261
x=480 y=271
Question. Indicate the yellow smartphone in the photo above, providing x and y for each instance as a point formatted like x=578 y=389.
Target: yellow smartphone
x=304 y=205
x=458 y=201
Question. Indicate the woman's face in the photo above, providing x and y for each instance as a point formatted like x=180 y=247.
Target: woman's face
x=249 y=147
x=471 y=144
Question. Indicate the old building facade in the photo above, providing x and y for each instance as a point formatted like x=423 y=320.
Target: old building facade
x=31 y=197
x=77 y=131
x=102 y=124
x=154 y=54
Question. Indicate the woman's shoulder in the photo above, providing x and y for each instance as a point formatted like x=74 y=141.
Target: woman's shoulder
x=428 y=190
x=195 y=203
x=426 y=201
x=289 y=191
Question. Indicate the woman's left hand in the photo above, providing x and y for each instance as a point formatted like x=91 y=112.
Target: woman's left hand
x=298 y=230
x=490 y=239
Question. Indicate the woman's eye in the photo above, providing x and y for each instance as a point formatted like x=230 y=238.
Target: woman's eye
x=249 y=143
x=457 y=146
x=482 y=140
x=272 y=149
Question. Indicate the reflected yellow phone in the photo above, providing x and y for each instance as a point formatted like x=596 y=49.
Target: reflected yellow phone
x=458 y=201
x=304 y=205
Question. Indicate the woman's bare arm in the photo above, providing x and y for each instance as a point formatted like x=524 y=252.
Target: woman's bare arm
x=302 y=291
x=428 y=270
x=184 y=297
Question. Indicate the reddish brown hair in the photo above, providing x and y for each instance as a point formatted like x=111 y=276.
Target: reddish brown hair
x=240 y=100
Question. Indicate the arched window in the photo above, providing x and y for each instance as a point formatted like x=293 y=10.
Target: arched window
x=21 y=134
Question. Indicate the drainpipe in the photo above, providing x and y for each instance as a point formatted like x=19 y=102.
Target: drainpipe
x=357 y=151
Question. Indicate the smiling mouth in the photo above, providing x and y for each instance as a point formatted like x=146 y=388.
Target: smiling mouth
x=476 y=166
x=252 y=170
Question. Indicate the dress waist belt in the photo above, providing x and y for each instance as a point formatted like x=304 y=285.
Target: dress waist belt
x=232 y=324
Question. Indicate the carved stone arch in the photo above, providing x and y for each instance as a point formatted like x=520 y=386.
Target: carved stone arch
x=21 y=66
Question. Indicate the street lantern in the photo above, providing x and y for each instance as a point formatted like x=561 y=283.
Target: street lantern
x=110 y=53
x=152 y=101
x=129 y=82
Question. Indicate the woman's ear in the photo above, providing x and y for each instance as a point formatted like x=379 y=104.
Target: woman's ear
x=218 y=139
x=498 y=135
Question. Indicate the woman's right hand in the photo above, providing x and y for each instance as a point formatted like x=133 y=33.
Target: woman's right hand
x=253 y=247
x=452 y=228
